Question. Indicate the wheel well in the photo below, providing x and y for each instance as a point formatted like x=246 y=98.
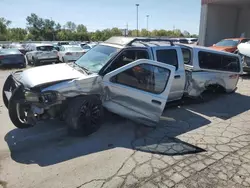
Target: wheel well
x=216 y=88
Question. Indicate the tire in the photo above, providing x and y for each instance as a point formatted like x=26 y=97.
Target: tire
x=35 y=62
x=84 y=115
x=13 y=104
x=28 y=61
x=6 y=87
x=63 y=60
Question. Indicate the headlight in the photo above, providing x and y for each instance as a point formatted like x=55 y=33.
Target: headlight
x=31 y=96
x=44 y=97
x=49 y=97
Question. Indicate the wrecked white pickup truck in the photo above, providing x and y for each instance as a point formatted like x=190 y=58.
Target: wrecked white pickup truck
x=132 y=77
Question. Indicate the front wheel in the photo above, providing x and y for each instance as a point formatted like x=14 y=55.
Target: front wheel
x=84 y=115
x=18 y=110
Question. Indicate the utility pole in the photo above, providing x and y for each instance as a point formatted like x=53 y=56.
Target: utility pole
x=137 y=5
x=147 y=24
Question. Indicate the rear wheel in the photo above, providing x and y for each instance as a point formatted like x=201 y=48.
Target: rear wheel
x=36 y=62
x=18 y=110
x=84 y=115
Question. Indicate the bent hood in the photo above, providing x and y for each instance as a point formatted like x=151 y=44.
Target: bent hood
x=48 y=74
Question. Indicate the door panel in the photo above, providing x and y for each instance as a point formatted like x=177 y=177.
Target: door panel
x=172 y=55
x=138 y=90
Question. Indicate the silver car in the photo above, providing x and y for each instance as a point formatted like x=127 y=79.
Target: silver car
x=69 y=53
x=41 y=53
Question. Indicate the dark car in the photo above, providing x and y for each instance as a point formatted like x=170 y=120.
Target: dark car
x=12 y=57
x=19 y=47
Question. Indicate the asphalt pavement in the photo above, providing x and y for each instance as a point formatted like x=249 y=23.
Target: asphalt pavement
x=194 y=145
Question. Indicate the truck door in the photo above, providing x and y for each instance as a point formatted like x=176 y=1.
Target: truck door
x=138 y=90
x=173 y=56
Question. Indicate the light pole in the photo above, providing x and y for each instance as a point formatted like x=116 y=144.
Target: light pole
x=137 y=5
x=147 y=24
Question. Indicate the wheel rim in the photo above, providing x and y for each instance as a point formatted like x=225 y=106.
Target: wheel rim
x=89 y=115
x=21 y=113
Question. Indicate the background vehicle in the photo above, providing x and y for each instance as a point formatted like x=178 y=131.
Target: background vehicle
x=244 y=52
x=18 y=46
x=12 y=57
x=132 y=77
x=41 y=53
x=69 y=53
x=229 y=45
x=88 y=46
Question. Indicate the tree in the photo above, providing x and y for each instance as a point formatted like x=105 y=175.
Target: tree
x=145 y=33
x=70 y=26
x=4 y=28
x=186 y=33
x=17 y=34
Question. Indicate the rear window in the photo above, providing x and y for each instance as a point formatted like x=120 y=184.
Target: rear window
x=45 y=48
x=74 y=49
x=168 y=57
x=213 y=61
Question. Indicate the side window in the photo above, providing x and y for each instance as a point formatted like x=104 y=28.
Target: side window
x=127 y=57
x=244 y=40
x=186 y=56
x=168 y=57
x=218 y=62
x=230 y=64
x=86 y=47
x=145 y=77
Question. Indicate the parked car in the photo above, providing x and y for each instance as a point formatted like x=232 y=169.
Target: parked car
x=244 y=52
x=69 y=53
x=18 y=46
x=192 y=40
x=60 y=43
x=41 y=53
x=12 y=57
x=229 y=45
x=132 y=77
x=180 y=40
x=86 y=47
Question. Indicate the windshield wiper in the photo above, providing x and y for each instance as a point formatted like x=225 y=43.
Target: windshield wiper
x=83 y=68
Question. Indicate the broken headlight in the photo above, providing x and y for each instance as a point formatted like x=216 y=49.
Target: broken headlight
x=49 y=97
x=44 y=97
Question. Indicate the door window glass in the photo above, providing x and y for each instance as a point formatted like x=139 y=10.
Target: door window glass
x=127 y=57
x=168 y=57
x=145 y=77
x=186 y=56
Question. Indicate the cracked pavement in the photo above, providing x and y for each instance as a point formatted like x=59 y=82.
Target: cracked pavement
x=195 y=145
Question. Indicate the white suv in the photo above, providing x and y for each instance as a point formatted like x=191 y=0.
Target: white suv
x=41 y=53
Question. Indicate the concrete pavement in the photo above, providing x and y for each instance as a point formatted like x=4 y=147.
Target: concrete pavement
x=195 y=145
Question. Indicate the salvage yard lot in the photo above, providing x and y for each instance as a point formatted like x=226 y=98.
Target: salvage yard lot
x=195 y=145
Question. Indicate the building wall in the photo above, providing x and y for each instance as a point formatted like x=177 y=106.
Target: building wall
x=221 y=23
x=243 y=25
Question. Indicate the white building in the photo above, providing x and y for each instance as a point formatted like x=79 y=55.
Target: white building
x=223 y=19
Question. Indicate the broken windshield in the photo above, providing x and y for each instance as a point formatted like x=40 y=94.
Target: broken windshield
x=97 y=57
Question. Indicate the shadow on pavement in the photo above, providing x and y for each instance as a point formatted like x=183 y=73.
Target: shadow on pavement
x=224 y=106
x=43 y=147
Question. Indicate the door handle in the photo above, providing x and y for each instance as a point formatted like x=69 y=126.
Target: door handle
x=177 y=76
x=156 y=102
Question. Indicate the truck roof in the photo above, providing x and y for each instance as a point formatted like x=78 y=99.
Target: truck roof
x=139 y=41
